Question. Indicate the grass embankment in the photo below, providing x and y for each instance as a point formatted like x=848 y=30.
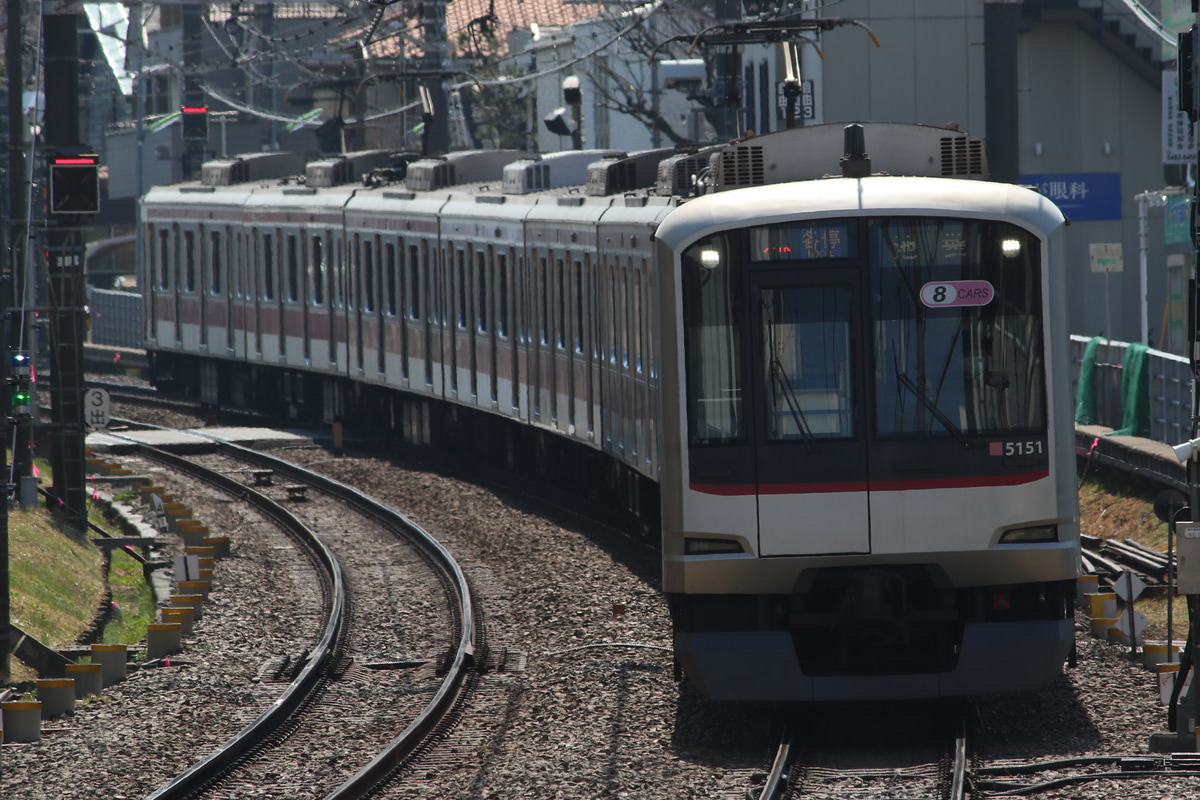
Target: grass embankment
x=1113 y=508
x=55 y=580
x=57 y=583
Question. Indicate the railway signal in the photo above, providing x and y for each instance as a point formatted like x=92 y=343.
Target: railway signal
x=19 y=375
x=74 y=184
x=195 y=123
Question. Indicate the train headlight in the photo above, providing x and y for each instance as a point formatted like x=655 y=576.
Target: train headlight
x=710 y=258
x=710 y=547
x=1041 y=533
x=1010 y=247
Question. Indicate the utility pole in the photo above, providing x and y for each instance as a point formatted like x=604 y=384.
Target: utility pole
x=728 y=77
x=64 y=268
x=17 y=232
x=193 y=95
x=433 y=23
x=1000 y=19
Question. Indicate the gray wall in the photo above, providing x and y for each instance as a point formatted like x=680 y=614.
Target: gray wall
x=929 y=69
x=1081 y=97
x=1075 y=95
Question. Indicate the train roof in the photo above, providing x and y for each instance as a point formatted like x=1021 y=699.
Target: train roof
x=743 y=180
x=917 y=196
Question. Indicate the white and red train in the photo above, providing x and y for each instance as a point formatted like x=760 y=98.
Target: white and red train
x=843 y=399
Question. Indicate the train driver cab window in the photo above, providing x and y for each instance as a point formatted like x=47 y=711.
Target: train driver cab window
x=712 y=340
x=958 y=328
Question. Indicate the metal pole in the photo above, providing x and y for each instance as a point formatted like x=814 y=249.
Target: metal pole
x=65 y=251
x=1000 y=19
x=1142 y=201
x=18 y=225
x=139 y=101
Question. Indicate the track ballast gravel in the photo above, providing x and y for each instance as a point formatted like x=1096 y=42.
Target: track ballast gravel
x=595 y=713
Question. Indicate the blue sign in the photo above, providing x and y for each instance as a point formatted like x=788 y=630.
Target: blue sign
x=1082 y=196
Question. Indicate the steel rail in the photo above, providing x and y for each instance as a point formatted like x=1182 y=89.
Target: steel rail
x=776 y=778
x=217 y=763
x=958 y=774
x=463 y=659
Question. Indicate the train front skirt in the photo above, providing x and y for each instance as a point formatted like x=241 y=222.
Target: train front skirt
x=763 y=665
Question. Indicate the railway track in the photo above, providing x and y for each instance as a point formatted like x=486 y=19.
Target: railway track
x=350 y=686
x=892 y=757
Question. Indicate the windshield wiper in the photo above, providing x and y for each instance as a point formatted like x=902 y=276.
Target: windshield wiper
x=780 y=376
x=777 y=372
x=937 y=413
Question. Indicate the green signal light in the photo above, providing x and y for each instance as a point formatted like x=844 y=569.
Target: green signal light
x=21 y=403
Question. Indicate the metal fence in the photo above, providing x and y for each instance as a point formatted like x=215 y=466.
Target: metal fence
x=116 y=318
x=1170 y=388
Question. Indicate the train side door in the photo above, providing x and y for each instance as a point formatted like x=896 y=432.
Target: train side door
x=810 y=431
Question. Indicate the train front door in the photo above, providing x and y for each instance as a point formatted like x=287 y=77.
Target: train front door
x=810 y=438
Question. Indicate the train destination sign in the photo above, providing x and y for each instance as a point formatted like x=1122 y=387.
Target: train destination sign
x=944 y=294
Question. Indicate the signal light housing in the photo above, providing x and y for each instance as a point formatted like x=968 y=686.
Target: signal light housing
x=22 y=403
x=195 y=123
x=74 y=184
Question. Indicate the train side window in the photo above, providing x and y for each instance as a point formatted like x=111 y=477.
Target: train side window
x=612 y=314
x=481 y=294
x=561 y=318
x=371 y=258
x=164 y=258
x=401 y=283
x=414 y=277
x=293 y=269
x=354 y=269
x=625 y=318
x=336 y=291
x=544 y=280
x=637 y=320
x=578 y=287
x=237 y=276
x=712 y=339
x=650 y=338
x=502 y=295
x=318 y=270
x=596 y=330
x=189 y=250
x=214 y=267
x=176 y=259
x=389 y=275
x=268 y=266
x=461 y=260
x=366 y=275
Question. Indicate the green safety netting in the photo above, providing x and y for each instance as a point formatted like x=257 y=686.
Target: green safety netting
x=1135 y=392
x=1085 y=402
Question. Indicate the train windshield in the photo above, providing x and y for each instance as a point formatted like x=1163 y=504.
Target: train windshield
x=956 y=315
x=932 y=325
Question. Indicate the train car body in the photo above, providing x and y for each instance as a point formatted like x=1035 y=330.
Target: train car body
x=843 y=399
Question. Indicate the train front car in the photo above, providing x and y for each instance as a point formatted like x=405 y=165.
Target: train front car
x=869 y=485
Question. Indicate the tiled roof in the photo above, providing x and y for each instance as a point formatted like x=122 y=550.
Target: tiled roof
x=509 y=14
x=518 y=13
